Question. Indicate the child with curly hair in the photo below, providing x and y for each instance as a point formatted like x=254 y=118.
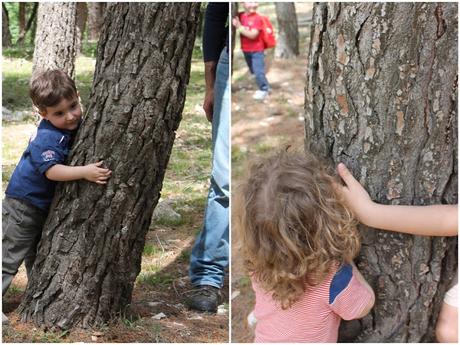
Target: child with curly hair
x=298 y=241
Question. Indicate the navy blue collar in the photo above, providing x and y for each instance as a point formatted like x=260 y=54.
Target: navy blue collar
x=46 y=124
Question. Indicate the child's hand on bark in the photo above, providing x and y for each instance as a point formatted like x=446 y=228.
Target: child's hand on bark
x=96 y=173
x=356 y=197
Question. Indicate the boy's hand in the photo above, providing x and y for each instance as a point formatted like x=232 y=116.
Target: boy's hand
x=95 y=173
x=236 y=22
x=356 y=197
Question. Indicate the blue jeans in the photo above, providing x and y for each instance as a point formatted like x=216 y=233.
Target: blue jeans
x=209 y=256
x=256 y=64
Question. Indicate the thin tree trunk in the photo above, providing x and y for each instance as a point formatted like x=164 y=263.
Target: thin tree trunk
x=6 y=34
x=287 y=46
x=33 y=29
x=82 y=15
x=381 y=96
x=96 y=12
x=55 y=40
x=22 y=18
x=32 y=18
x=234 y=8
x=91 y=248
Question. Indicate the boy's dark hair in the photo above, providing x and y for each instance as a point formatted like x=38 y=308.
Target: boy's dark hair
x=48 y=88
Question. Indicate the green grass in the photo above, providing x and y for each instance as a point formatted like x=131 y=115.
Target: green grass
x=36 y=336
x=171 y=222
x=155 y=279
x=184 y=255
x=151 y=250
x=13 y=290
x=244 y=282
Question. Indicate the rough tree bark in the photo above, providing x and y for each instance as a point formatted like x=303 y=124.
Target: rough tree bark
x=91 y=247
x=6 y=34
x=381 y=96
x=82 y=16
x=96 y=12
x=287 y=43
x=55 y=38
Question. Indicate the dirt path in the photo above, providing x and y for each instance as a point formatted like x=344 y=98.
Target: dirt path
x=261 y=128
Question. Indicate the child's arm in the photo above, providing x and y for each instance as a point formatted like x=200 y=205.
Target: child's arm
x=249 y=33
x=91 y=172
x=363 y=281
x=350 y=296
x=434 y=220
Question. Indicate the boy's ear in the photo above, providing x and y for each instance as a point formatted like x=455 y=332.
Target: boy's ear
x=42 y=113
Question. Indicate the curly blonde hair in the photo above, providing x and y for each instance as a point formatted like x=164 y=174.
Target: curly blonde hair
x=291 y=225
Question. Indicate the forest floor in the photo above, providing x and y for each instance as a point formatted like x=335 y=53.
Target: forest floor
x=158 y=311
x=260 y=129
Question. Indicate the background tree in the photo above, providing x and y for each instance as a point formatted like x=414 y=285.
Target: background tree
x=381 y=96
x=82 y=16
x=90 y=252
x=6 y=34
x=55 y=45
x=22 y=18
x=234 y=9
x=287 y=45
x=96 y=12
x=30 y=21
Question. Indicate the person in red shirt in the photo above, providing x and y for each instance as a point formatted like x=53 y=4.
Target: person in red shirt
x=249 y=24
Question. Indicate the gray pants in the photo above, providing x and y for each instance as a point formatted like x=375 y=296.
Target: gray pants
x=22 y=225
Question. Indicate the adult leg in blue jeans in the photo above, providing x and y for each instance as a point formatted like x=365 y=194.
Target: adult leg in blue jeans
x=209 y=256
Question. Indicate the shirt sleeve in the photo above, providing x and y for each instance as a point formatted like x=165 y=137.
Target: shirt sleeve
x=348 y=296
x=46 y=153
x=215 y=31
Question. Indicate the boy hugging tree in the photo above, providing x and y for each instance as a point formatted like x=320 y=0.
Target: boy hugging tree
x=32 y=184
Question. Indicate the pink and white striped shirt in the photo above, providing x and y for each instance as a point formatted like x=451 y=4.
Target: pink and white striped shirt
x=315 y=317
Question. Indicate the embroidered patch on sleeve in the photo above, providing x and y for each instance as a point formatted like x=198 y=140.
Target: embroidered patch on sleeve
x=340 y=281
x=48 y=155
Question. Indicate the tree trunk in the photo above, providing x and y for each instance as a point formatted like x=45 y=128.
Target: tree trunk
x=96 y=12
x=32 y=18
x=82 y=15
x=199 y=30
x=6 y=34
x=91 y=248
x=22 y=18
x=287 y=45
x=33 y=28
x=55 y=39
x=234 y=9
x=381 y=96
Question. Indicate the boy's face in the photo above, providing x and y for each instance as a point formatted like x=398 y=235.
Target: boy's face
x=251 y=7
x=64 y=115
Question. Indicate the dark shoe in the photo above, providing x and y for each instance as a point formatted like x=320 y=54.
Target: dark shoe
x=204 y=298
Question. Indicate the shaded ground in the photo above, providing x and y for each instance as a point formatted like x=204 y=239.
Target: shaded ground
x=262 y=128
x=163 y=284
